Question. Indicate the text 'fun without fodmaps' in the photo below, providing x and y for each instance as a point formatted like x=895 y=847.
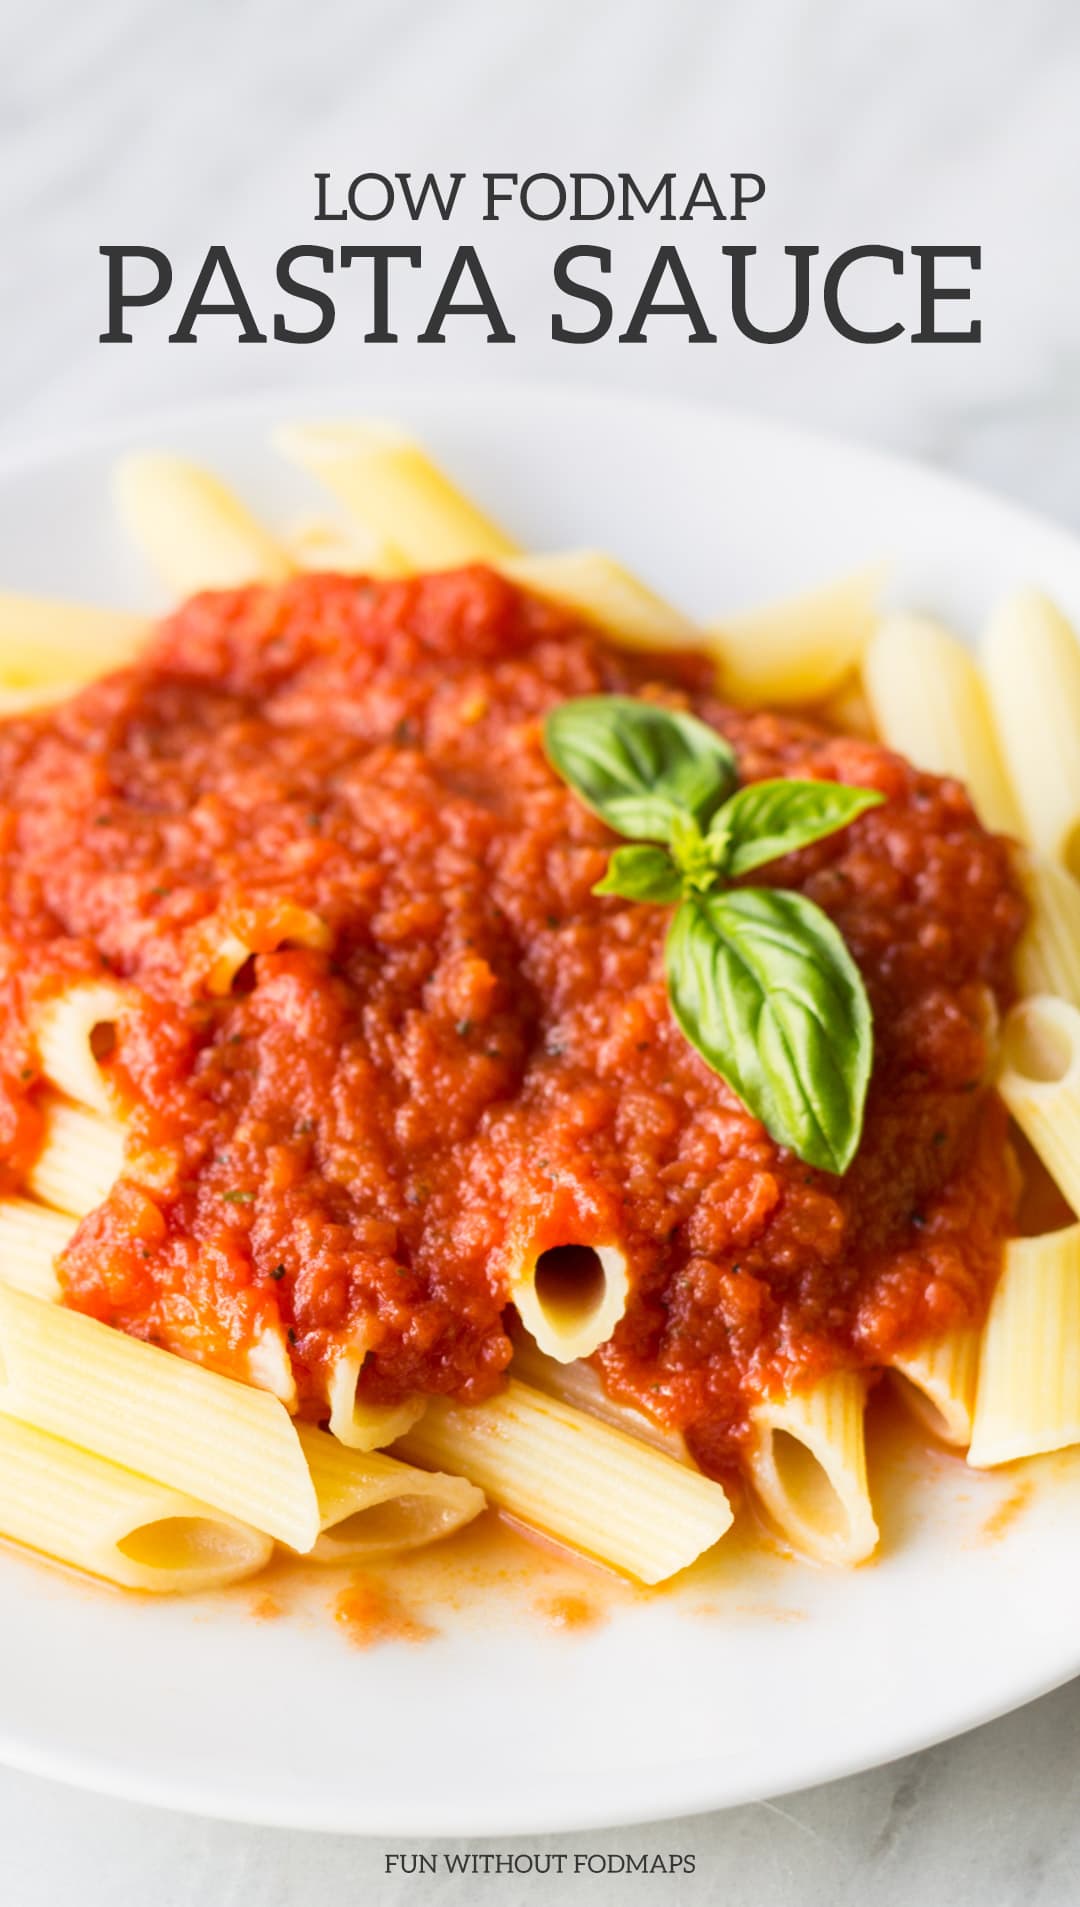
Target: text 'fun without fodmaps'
x=491 y=1863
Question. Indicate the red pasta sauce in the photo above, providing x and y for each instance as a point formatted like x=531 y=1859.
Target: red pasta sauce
x=351 y=1136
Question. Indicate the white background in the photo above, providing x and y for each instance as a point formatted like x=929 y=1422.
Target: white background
x=897 y=122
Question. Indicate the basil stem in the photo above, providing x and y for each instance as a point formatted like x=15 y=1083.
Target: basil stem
x=641 y=874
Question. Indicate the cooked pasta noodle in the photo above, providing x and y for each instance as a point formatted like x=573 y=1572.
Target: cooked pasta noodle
x=1040 y=1084
x=359 y=1424
x=600 y=589
x=346 y=549
x=263 y=930
x=158 y=1472
x=80 y=1160
x=214 y=1439
x=75 y=1032
x=578 y=1384
x=418 y=518
x=1032 y=661
x=575 y=1478
x=53 y=647
x=1029 y=1368
x=26 y=699
x=801 y=649
x=370 y=1504
x=1048 y=957
x=79 y=1509
x=570 y=1297
x=193 y=531
x=948 y=729
x=31 y=1238
x=807 y=1463
x=937 y=1381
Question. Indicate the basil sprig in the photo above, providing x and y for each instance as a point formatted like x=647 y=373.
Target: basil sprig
x=759 y=979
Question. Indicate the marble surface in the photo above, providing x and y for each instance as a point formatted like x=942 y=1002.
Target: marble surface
x=901 y=122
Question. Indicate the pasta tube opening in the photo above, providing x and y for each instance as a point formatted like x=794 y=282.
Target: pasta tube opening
x=404 y=1523
x=231 y=957
x=1042 y=1041
x=370 y=1503
x=142 y=1407
x=1040 y=1084
x=354 y=1420
x=188 y=1546
x=105 y=1518
x=76 y=1036
x=571 y=1297
x=936 y=1382
x=807 y=1463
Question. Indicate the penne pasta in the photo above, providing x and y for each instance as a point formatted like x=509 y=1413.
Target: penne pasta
x=937 y=1382
x=49 y=648
x=31 y=1239
x=576 y=1479
x=598 y=588
x=153 y=1412
x=269 y=1366
x=1032 y=661
x=370 y=1504
x=339 y=549
x=848 y=709
x=1048 y=957
x=930 y=703
x=27 y=698
x=579 y=1385
x=1040 y=1084
x=1029 y=1368
x=807 y=1463
x=451 y=937
x=80 y=1159
x=801 y=649
x=263 y=930
x=571 y=1297
x=359 y=1424
x=78 y=1509
x=191 y=528
x=75 y=1033
x=416 y=516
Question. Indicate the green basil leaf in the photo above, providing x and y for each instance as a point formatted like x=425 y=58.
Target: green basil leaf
x=771 y=818
x=637 y=766
x=763 y=986
x=641 y=874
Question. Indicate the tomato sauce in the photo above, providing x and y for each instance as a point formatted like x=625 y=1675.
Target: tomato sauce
x=343 y=1141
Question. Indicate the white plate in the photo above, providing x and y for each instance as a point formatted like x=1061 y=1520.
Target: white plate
x=500 y=1724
